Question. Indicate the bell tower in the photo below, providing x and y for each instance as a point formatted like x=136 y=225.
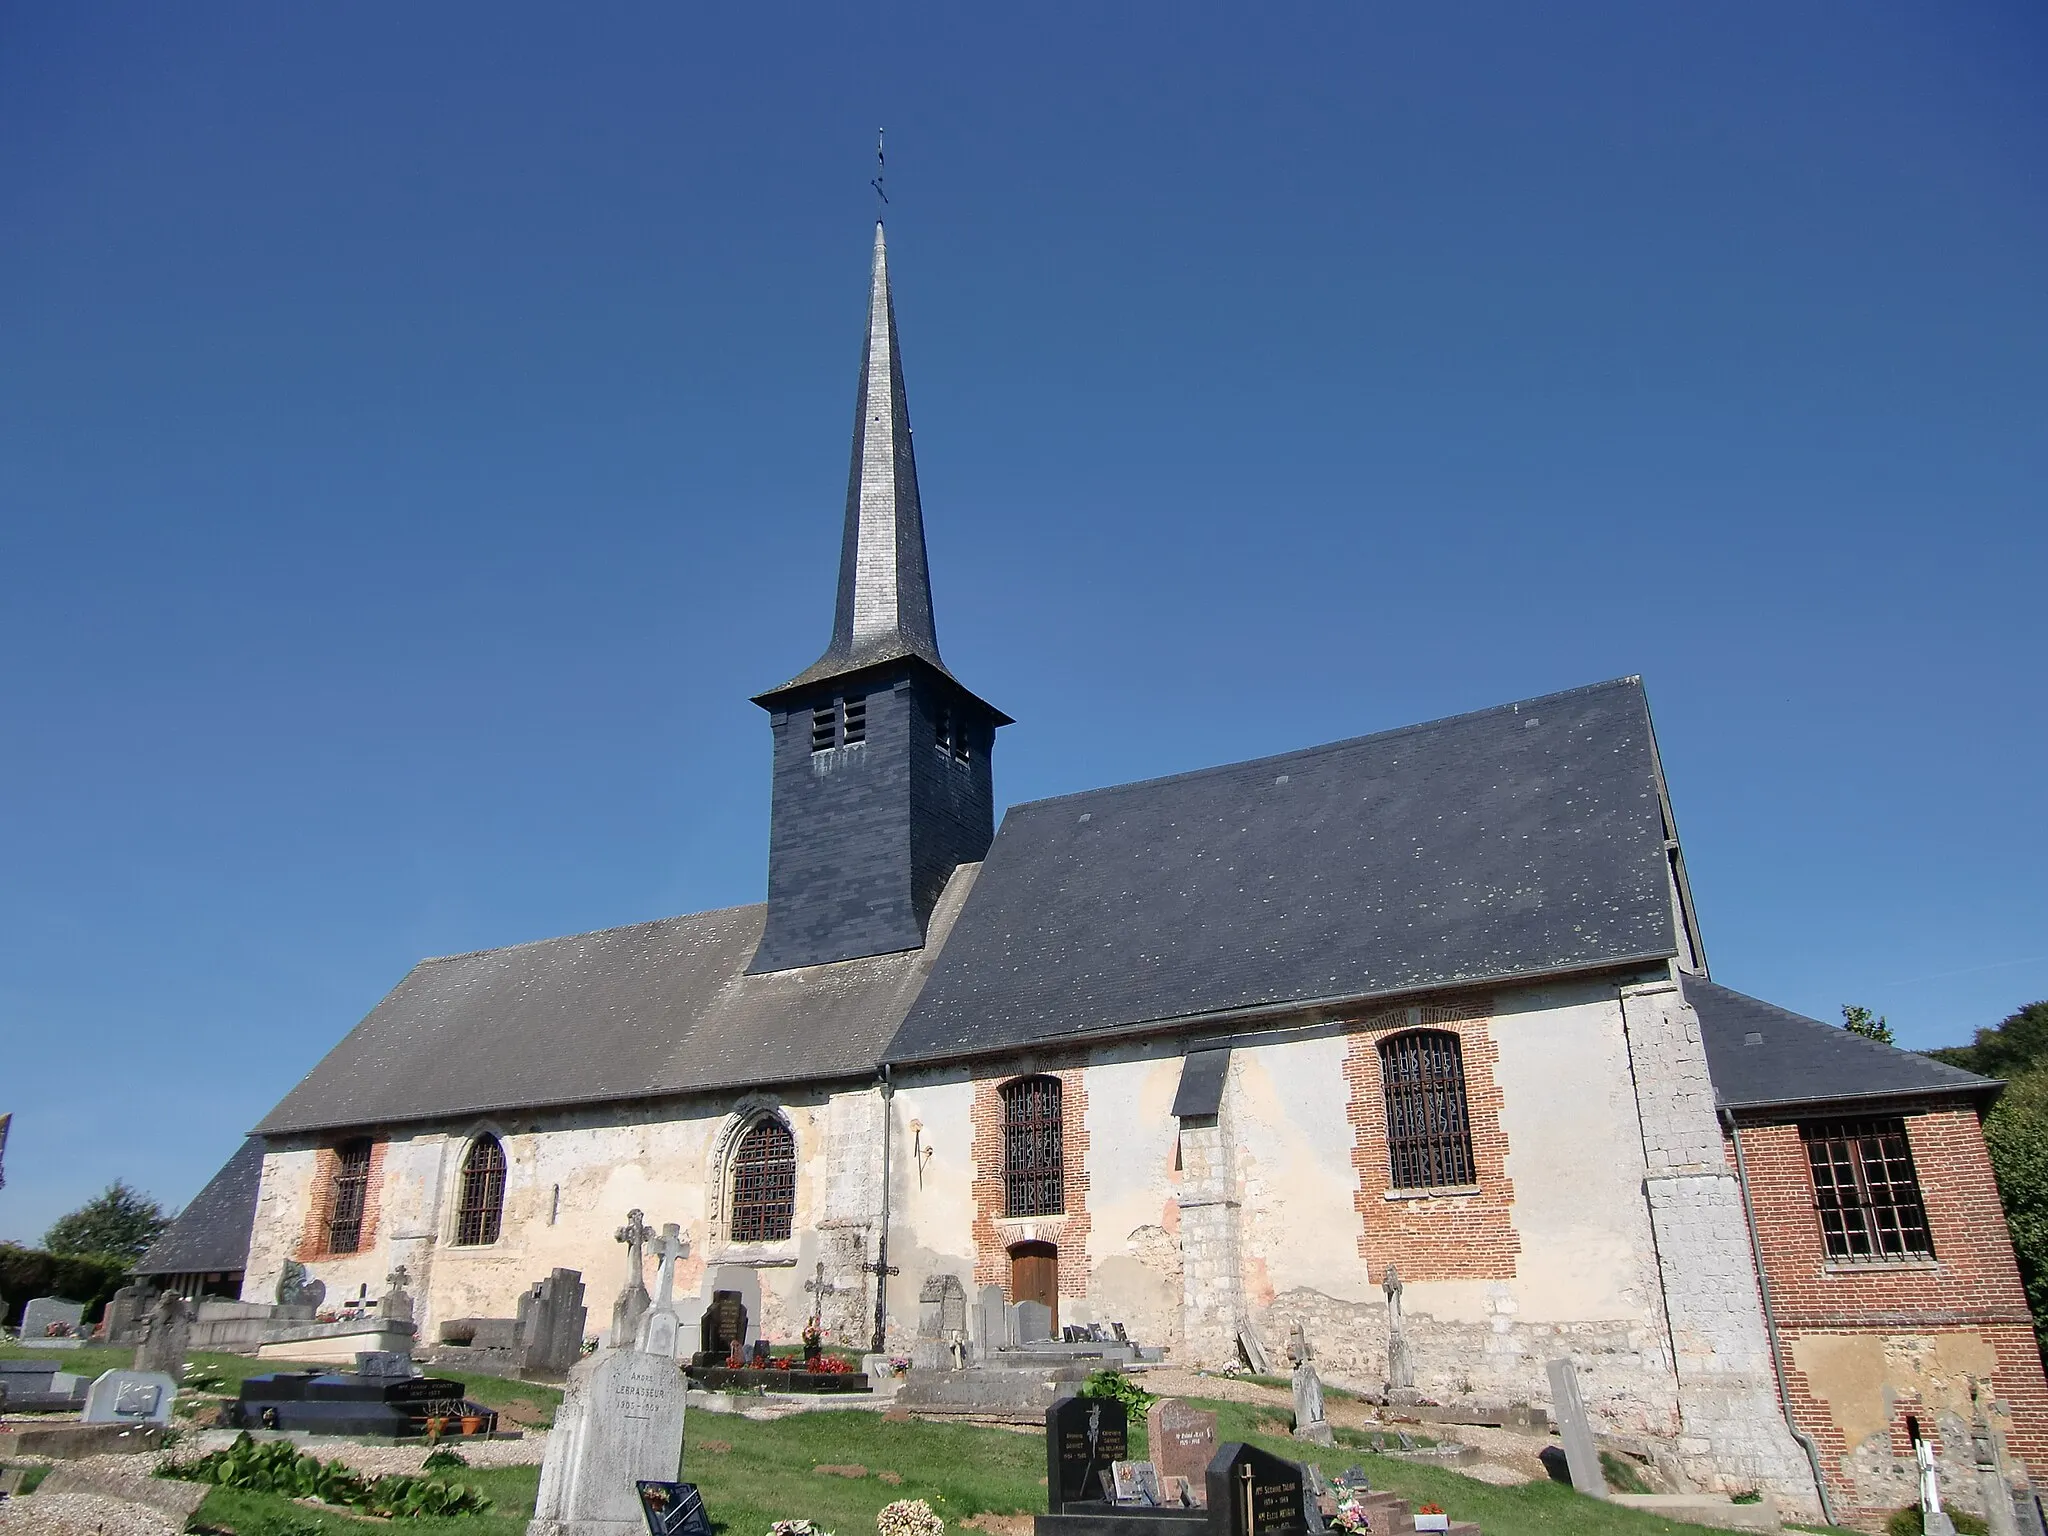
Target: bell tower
x=881 y=779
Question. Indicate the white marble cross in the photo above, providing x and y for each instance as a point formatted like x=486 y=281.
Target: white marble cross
x=658 y=1330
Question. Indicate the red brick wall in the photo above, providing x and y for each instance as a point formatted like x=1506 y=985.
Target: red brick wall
x=993 y=1234
x=1440 y=1237
x=1972 y=1287
x=320 y=1207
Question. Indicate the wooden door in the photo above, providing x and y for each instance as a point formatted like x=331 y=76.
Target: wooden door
x=1035 y=1276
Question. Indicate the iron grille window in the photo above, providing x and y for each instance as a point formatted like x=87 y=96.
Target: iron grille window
x=482 y=1207
x=1865 y=1190
x=1429 y=1138
x=764 y=1184
x=351 y=1189
x=1034 y=1148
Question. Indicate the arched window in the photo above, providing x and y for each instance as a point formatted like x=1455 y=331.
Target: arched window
x=348 y=1197
x=482 y=1207
x=1034 y=1148
x=764 y=1183
x=1429 y=1138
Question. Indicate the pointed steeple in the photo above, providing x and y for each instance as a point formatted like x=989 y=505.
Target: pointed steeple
x=885 y=591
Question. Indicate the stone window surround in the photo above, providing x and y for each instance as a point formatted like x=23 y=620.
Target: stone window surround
x=781 y=1254
x=449 y=1197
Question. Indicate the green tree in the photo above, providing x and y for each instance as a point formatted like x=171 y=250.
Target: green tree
x=119 y=1223
x=2016 y=1134
x=2017 y=1043
x=1871 y=1026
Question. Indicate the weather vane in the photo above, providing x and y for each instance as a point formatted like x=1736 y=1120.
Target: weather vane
x=881 y=170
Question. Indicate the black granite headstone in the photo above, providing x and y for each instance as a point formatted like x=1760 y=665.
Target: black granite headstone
x=724 y=1325
x=1083 y=1435
x=1254 y=1494
x=673 y=1509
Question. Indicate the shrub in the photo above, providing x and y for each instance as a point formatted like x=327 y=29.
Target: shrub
x=26 y=1273
x=1907 y=1522
x=277 y=1467
x=1621 y=1474
x=1116 y=1384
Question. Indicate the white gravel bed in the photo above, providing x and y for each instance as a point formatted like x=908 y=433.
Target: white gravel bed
x=384 y=1460
x=82 y=1514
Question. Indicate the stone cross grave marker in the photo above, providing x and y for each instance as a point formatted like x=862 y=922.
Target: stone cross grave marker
x=1254 y=1494
x=633 y=1298
x=1309 y=1423
x=620 y=1424
x=1183 y=1442
x=395 y=1305
x=1083 y=1435
x=45 y=1313
x=130 y=1397
x=1400 y=1367
x=820 y=1288
x=168 y=1337
x=1576 y=1429
x=659 y=1329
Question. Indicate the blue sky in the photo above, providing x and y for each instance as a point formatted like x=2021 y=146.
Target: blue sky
x=423 y=428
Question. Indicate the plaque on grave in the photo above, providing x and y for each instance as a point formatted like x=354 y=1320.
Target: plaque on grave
x=673 y=1509
x=1254 y=1494
x=130 y=1397
x=1136 y=1482
x=1083 y=1436
x=1183 y=1439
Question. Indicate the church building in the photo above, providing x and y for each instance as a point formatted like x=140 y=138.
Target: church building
x=1423 y=1013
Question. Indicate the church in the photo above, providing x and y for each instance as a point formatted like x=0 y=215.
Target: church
x=1423 y=1014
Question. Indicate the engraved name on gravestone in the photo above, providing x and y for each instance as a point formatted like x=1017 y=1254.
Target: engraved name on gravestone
x=1575 y=1429
x=1254 y=1494
x=1083 y=1435
x=1183 y=1440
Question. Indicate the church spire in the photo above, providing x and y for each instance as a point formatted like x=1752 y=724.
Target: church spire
x=885 y=592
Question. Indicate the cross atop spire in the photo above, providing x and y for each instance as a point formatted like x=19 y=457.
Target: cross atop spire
x=885 y=593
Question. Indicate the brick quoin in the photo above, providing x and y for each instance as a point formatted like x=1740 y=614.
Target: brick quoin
x=1437 y=1237
x=993 y=1233
x=320 y=1208
x=1972 y=1287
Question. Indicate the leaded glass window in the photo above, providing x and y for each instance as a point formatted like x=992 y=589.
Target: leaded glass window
x=1034 y=1148
x=764 y=1183
x=1429 y=1137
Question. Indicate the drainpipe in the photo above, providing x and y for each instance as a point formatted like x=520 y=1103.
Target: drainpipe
x=1756 y=1254
x=877 y=1343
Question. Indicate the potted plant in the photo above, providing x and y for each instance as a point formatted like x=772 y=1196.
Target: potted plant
x=1431 y=1517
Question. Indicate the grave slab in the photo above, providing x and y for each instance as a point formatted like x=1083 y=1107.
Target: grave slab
x=1582 y=1456
x=131 y=1397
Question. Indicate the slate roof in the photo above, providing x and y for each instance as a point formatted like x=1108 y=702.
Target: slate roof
x=1515 y=842
x=649 y=1011
x=211 y=1235
x=1762 y=1056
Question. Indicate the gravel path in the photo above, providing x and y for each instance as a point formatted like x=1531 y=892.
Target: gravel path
x=382 y=1460
x=82 y=1514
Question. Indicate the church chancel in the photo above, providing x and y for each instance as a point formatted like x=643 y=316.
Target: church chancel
x=1406 y=1038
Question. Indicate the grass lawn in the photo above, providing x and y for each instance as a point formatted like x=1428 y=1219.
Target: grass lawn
x=753 y=1473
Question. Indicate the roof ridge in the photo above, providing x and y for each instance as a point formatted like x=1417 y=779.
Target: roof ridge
x=1632 y=680
x=591 y=933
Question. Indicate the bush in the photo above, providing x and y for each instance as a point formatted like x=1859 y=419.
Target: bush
x=1116 y=1384
x=26 y=1273
x=278 y=1467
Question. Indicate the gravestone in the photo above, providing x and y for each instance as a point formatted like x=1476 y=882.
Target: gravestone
x=131 y=1397
x=396 y=1304
x=620 y=1425
x=1400 y=1365
x=164 y=1346
x=50 y=1322
x=1031 y=1322
x=724 y=1325
x=551 y=1317
x=1183 y=1441
x=123 y=1319
x=992 y=1312
x=1582 y=1457
x=1309 y=1424
x=383 y=1362
x=673 y=1509
x=1254 y=1494
x=1083 y=1435
x=941 y=1320
x=633 y=1298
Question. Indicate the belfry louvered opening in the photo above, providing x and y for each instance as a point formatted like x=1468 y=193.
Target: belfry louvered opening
x=481 y=1209
x=952 y=734
x=764 y=1183
x=842 y=723
x=1866 y=1190
x=1034 y=1148
x=1429 y=1136
x=350 y=1196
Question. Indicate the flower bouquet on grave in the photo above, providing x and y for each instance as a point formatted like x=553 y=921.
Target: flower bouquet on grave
x=795 y=1528
x=909 y=1517
x=735 y=1357
x=828 y=1365
x=1351 y=1517
x=814 y=1345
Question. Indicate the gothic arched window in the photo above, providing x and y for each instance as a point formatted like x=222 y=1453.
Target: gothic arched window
x=348 y=1197
x=1429 y=1138
x=1034 y=1148
x=763 y=1183
x=482 y=1207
